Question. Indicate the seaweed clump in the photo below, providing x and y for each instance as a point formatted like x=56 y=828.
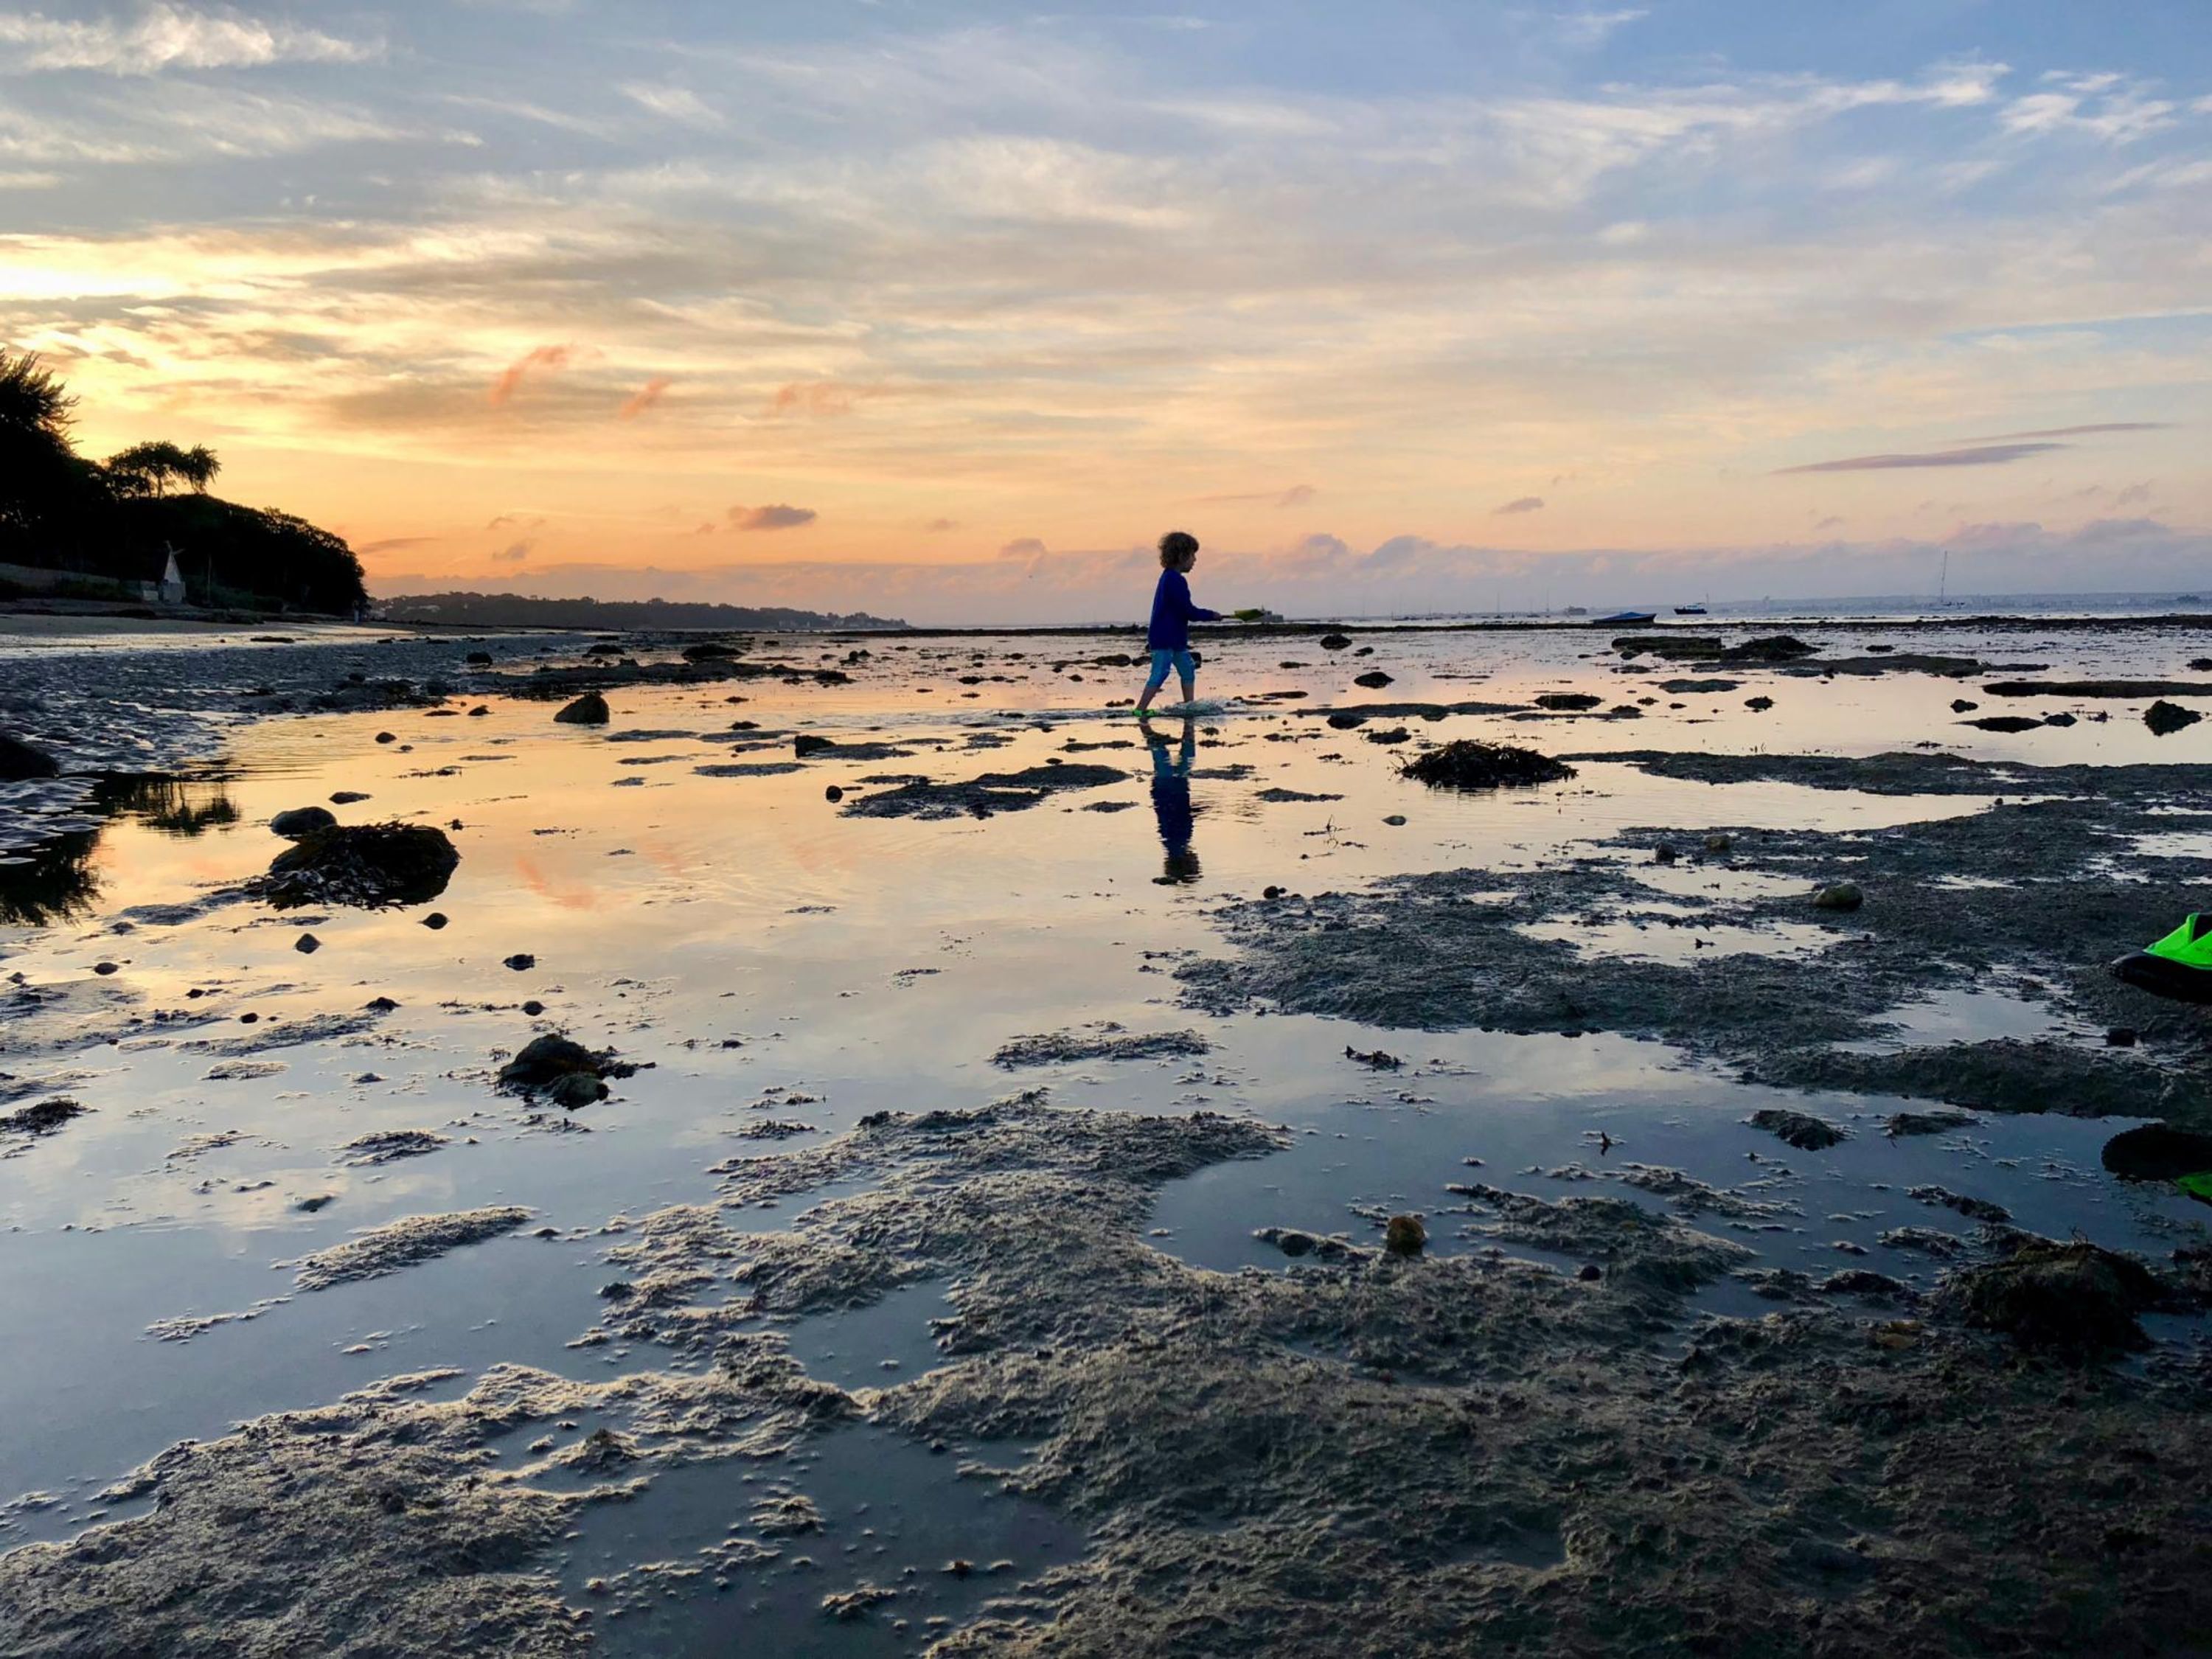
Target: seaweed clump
x=562 y=1070
x=1467 y=763
x=370 y=865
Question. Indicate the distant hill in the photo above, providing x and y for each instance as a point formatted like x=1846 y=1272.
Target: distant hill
x=521 y=611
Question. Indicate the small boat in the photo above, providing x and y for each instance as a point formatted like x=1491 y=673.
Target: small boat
x=1689 y=611
x=1575 y=611
x=1624 y=619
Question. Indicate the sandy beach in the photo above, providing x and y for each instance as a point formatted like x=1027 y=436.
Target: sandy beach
x=868 y=1149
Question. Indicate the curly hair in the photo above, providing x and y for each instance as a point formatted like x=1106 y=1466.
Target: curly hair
x=1177 y=546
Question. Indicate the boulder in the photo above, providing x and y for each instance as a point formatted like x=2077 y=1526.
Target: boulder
x=1334 y=642
x=1843 y=896
x=2156 y=1151
x=1374 y=679
x=302 y=821
x=1404 y=1235
x=561 y=1069
x=807 y=744
x=590 y=709
x=1567 y=702
x=1802 y=1130
x=2077 y=1299
x=20 y=762
x=2163 y=717
x=367 y=865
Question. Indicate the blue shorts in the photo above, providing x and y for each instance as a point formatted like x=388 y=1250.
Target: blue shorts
x=1181 y=661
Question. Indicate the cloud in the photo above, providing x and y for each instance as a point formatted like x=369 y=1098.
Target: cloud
x=167 y=36
x=393 y=544
x=939 y=526
x=510 y=378
x=1523 y=504
x=1974 y=455
x=1296 y=495
x=1582 y=30
x=677 y=104
x=512 y=521
x=2082 y=431
x=1030 y=551
x=514 y=553
x=1832 y=522
x=776 y=517
x=644 y=398
x=2102 y=107
x=822 y=397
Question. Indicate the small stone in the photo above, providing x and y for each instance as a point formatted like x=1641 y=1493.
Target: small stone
x=307 y=944
x=1396 y=820
x=302 y=821
x=1759 y=705
x=534 y=1008
x=104 y=969
x=1664 y=854
x=1589 y=1273
x=522 y=961
x=436 y=919
x=1720 y=843
x=1843 y=896
x=576 y=1088
x=833 y=793
x=590 y=709
x=1404 y=1235
x=807 y=744
x=2120 y=1036
x=388 y=737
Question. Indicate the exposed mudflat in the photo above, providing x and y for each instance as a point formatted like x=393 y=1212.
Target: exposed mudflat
x=1514 y=1216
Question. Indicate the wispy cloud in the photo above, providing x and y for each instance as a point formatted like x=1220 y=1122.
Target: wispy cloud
x=644 y=398
x=165 y=37
x=1523 y=504
x=1973 y=455
x=2080 y=431
x=672 y=103
x=1296 y=495
x=776 y=517
x=510 y=379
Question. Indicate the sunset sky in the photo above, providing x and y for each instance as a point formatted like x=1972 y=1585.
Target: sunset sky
x=946 y=310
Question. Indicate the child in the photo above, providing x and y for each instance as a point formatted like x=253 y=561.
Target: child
x=1169 y=637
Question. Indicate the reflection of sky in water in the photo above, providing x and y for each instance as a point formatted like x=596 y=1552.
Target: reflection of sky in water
x=749 y=941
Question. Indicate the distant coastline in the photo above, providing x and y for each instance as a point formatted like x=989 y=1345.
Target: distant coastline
x=470 y=609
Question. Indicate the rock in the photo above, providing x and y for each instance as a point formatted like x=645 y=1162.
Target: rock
x=370 y=865
x=1760 y=705
x=807 y=744
x=1963 y=706
x=346 y=797
x=1374 y=679
x=105 y=968
x=1924 y=1123
x=380 y=1005
x=1404 y=1235
x=437 y=919
x=1926 y=1240
x=575 y=1089
x=1720 y=843
x=479 y=659
x=316 y=1201
x=302 y=821
x=532 y=1008
x=1589 y=1273
x=1334 y=642
x=1271 y=892
x=2157 y=1151
x=1343 y=722
x=2060 y=719
x=1663 y=854
x=1395 y=820
x=522 y=961
x=2120 y=1036
x=1569 y=702
x=1843 y=896
x=833 y=793
x=1392 y=734
x=2078 y=1298
x=1469 y=763
x=307 y=944
x=2163 y=717
x=1974 y=1209
x=545 y=1060
x=1803 y=1131
x=478 y=712
x=388 y=737
x=2003 y=723
x=1774 y=648
x=590 y=709
x=20 y=762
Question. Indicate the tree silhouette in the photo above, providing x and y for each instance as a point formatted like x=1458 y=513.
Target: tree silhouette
x=31 y=398
x=148 y=469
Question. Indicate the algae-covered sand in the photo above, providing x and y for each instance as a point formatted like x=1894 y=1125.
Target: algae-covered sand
x=1432 y=1219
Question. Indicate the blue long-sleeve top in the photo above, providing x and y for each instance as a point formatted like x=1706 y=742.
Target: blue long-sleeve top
x=1173 y=614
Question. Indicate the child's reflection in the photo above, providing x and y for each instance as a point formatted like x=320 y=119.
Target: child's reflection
x=1171 y=802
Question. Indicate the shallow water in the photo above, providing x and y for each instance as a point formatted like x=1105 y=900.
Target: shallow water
x=768 y=957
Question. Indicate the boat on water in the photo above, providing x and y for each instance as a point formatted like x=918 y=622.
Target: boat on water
x=1689 y=611
x=1624 y=619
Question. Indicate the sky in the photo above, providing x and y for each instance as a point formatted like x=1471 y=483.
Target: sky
x=946 y=309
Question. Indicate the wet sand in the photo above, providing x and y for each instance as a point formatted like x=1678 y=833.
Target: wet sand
x=987 y=1252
